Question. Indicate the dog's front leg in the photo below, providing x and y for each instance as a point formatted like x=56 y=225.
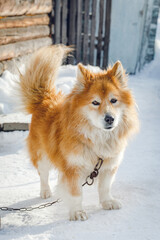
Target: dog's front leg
x=106 y=179
x=70 y=187
x=76 y=211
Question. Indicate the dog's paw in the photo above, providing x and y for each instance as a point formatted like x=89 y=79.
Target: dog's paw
x=111 y=204
x=78 y=215
x=45 y=193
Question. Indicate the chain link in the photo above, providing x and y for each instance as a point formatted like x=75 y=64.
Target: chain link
x=28 y=209
x=89 y=181
x=94 y=174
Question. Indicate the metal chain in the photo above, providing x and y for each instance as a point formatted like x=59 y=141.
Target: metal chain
x=28 y=209
x=94 y=174
x=89 y=181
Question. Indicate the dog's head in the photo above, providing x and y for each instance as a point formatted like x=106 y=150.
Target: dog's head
x=103 y=97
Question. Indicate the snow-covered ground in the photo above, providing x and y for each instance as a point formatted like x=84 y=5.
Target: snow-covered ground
x=137 y=183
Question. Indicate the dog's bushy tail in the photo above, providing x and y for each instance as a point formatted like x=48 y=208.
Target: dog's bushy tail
x=38 y=81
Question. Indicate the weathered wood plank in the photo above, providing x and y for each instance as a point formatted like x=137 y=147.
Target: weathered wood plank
x=100 y=32
x=52 y=21
x=1 y=68
x=72 y=27
x=11 y=35
x=79 y=30
x=14 y=64
x=14 y=7
x=107 y=32
x=93 y=28
x=57 y=21
x=10 y=127
x=64 y=21
x=20 y=48
x=85 y=39
x=24 y=21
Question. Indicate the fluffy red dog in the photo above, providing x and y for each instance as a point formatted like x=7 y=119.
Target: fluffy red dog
x=71 y=132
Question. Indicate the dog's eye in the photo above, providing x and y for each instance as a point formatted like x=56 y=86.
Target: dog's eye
x=95 y=103
x=113 y=100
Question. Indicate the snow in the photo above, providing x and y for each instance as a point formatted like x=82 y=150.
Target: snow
x=137 y=183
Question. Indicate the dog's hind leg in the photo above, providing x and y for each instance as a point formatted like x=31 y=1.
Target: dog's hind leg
x=43 y=169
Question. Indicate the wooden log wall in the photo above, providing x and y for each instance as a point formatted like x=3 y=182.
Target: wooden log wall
x=24 y=27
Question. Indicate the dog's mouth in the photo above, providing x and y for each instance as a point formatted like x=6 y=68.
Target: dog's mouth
x=109 y=127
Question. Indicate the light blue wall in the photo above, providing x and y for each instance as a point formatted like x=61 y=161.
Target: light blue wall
x=126 y=32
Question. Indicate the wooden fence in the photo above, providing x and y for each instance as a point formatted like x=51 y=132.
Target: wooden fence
x=24 y=27
x=85 y=24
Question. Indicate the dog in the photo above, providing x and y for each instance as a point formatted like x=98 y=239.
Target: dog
x=71 y=132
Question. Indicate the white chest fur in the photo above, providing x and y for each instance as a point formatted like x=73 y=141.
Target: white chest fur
x=106 y=145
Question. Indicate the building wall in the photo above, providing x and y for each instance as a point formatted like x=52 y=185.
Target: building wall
x=151 y=34
x=24 y=27
x=133 y=29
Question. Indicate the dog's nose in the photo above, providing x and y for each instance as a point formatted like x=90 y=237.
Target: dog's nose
x=109 y=119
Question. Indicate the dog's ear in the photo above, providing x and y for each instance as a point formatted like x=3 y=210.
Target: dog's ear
x=119 y=72
x=83 y=75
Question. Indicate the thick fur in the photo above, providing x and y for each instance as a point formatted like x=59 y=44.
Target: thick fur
x=69 y=132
